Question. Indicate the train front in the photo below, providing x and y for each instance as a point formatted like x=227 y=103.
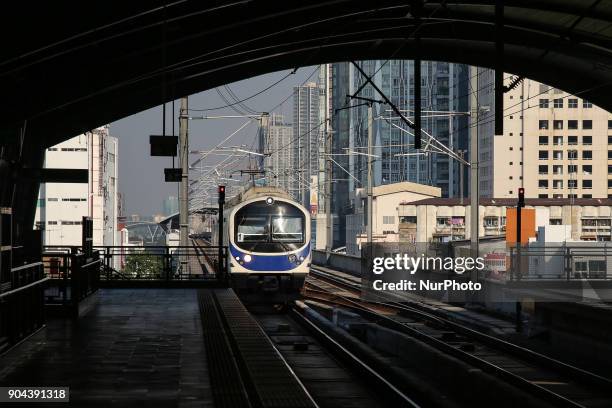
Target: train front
x=269 y=245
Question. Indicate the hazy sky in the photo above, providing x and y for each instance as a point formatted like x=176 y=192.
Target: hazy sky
x=141 y=177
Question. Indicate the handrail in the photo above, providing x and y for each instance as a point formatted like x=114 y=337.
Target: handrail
x=19 y=289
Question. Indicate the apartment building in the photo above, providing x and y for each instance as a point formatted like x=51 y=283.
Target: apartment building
x=277 y=145
x=387 y=200
x=555 y=145
x=306 y=130
x=61 y=206
x=448 y=219
x=444 y=97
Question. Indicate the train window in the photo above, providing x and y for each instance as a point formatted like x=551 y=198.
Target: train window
x=253 y=229
x=287 y=229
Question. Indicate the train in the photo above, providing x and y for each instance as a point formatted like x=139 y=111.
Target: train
x=268 y=236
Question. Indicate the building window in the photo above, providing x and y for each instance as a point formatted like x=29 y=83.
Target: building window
x=557 y=195
x=557 y=140
x=587 y=169
x=572 y=140
x=586 y=104
x=558 y=103
x=543 y=103
x=572 y=168
x=572 y=103
x=443 y=221
x=388 y=219
x=543 y=124
x=542 y=183
x=609 y=183
x=557 y=124
x=543 y=140
x=558 y=155
x=587 y=184
x=572 y=196
x=543 y=169
x=557 y=184
x=572 y=154
x=572 y=124
x=558 y=169
x=587 y=140
x=609 y=124
x=587 y=196
x=555 y=221
x=542 y=195
x=52 y=222
x=491 y=222
x=587 y=124
x=572 y=183
x=587 y=155
x=543 y=155
x=609 y=154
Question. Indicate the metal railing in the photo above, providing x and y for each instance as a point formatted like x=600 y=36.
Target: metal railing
x=142 y=263
x=73 y=276
x=22 y=307
x=560 y=262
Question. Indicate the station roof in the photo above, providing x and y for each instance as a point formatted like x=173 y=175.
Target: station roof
x=67 y=67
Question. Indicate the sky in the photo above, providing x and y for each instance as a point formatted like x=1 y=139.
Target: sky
x=141 y=177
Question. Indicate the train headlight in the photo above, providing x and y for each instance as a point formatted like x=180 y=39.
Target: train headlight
x=247 y=258
x=269 y=201
x=292 y=258
x=301 y=258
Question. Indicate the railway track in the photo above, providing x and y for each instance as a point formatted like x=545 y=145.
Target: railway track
x=554 y=381
x=333 y=375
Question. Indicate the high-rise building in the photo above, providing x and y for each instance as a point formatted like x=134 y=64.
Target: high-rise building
x=555 y=144
x=306 y=128
x=171 y=205
x=61 y=206
x=277 y=145
x=444 y=94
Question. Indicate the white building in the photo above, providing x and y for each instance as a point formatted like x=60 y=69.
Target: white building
x=555 y=145
x=387 y=201
x=61 y=206
x=447 y=219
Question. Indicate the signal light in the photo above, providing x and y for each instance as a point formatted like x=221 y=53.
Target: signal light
x=521 y=197
x=221 y=193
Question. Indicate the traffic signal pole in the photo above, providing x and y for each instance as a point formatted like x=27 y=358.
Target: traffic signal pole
x=519 y=206
x=221 y=265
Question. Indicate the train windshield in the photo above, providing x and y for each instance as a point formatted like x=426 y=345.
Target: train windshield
x=279 y=227
x=287 y=229
x=253 y=229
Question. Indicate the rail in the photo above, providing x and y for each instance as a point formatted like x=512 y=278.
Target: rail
x=142 y=263
x=520 y=355
x=22 y=307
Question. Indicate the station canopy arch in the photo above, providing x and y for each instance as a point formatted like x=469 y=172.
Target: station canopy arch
x=68 y=67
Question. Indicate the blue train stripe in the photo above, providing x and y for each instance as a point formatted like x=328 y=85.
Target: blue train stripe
x=261 y=263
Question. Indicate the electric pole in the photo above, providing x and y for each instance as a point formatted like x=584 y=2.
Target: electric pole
x=184 y=191
x=474 y=187
x=329 y=229
x=370 y=194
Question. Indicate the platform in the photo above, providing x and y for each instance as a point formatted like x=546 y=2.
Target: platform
x=137 y=347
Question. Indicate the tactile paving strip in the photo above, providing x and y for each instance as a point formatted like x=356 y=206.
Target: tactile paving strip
x=266 y=375
x=226 y=382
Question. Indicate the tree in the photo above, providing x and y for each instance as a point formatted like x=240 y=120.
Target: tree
x=144 y=265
